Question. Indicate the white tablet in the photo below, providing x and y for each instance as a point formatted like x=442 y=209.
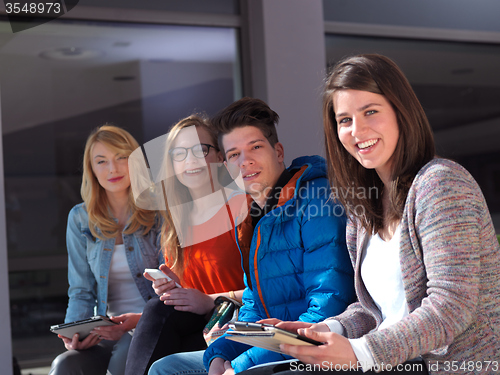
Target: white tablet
x=82 y=327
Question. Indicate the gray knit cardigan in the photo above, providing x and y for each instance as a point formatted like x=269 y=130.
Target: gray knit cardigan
x=450 y=263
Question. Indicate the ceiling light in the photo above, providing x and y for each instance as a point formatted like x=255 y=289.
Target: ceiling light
x=71 y=53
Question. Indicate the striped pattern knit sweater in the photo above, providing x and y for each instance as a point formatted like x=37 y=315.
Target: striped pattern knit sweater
x=450 y=263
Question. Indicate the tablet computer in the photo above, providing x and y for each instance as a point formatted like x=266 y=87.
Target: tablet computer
x=82 y=327
x=266 y=336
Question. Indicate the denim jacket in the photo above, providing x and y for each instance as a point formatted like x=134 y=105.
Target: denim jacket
x=89 y=260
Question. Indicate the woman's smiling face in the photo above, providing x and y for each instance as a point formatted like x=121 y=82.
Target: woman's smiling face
x=193 y=172
x=367 y=127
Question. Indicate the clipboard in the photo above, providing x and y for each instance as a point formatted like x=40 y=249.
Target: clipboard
x=266 y=336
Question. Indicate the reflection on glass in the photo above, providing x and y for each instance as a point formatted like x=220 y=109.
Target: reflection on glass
x=62 y=79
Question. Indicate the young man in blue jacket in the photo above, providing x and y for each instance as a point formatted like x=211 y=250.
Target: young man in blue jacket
x=292 y=243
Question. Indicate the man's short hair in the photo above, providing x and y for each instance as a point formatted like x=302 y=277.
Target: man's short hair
x=247 y=112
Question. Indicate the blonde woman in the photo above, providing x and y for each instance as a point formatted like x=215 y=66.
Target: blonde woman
x=199 y=244
x=110 y=242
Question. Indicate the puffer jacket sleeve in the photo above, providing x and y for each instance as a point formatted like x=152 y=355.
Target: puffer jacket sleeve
x=82 y=283
x=228 y=349
x=256 y=356
x=249 y=312
x=242 y=356
x=252 y=355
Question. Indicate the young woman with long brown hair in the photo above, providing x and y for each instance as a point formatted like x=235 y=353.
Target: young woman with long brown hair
x=424 y=249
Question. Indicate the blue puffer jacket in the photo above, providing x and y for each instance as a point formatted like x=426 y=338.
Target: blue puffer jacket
x=298 y=265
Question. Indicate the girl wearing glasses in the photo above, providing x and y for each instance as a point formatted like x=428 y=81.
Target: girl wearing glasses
x=110 y=242
x=198 y=241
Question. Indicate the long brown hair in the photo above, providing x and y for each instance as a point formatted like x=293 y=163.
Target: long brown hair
x=93 y=194
x=380 y=75
x=179 y=197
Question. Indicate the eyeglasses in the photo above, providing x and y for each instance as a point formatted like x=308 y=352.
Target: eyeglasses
x=200 y=151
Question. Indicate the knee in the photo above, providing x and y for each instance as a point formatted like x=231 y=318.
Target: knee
x=157 y=368
x=64 y=363
x=187 y=363
x=155 y=307
x=174 y=364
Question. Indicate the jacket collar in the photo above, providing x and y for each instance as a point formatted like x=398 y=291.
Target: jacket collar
x=288 y=191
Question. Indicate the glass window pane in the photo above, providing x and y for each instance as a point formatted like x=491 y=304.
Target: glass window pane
x=59 y=81
x=446 y=14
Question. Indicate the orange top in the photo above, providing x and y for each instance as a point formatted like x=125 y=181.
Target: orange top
x=214 y=265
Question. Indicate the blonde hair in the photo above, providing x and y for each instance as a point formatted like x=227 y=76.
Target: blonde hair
x=93 y=194
x=179 y=197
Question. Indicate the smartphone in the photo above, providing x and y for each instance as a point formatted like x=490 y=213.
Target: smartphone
x=157 y=274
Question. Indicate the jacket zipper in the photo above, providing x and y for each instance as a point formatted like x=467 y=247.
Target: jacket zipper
x=256 y=270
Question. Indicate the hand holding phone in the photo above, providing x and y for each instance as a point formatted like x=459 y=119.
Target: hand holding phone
x=157 y=274
x=82 y=327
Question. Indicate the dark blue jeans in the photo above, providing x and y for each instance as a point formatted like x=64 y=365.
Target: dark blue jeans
x=162 y=331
